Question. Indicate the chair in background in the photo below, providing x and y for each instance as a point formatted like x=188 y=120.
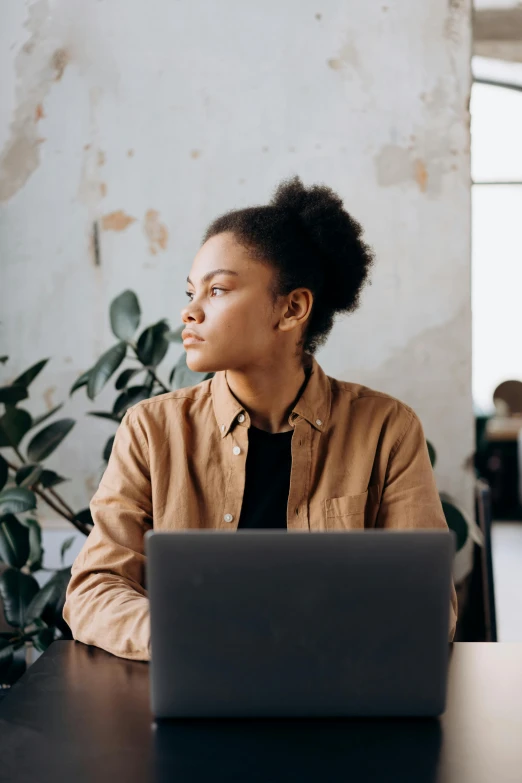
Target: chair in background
x=486 y=593
x=477 y=617
x=507 y=398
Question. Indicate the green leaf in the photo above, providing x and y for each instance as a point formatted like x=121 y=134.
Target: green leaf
x=51 y=479
x=81 y=381
x=14 y=541
x=104 y=368
x=105 y=415
x=14 y=424
x=17 y=590
x=29 y=375
x=48 y=602
x=152 y=344
x=125 y=315
x=48 y=439
x=10 y=395
x=4 y=472
x=4 y=359
x=85 y=516
x=125 y=376
x=15 y=500
x=456 y=522
x=183 y=376
x=108 y=448
x=65 y=546
x=175 y=336
x=43 y=639
x=149 y=383
x=28 y=475
x=36 y=551
x=45 y=416
x=130 y=397
x=432 y=453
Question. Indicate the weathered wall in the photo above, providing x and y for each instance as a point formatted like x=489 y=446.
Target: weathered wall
x=151 y=118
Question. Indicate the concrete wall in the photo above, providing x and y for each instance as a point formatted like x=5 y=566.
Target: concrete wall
x=152 y=118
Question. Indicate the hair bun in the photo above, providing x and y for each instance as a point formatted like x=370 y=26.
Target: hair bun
x=334 y=233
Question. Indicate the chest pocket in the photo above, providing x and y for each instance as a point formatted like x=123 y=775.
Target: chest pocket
x=352 y=512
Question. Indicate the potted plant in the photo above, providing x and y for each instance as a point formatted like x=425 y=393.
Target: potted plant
x=34 y=613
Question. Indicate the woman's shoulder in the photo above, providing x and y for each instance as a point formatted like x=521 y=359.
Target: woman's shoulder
x=173 y=402
x=349 y=392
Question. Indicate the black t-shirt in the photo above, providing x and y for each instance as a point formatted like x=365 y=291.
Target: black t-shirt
x=267 y=480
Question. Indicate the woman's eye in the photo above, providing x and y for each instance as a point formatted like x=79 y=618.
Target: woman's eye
x=191 y=295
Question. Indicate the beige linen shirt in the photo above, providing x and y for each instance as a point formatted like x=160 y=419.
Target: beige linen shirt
x=359 y=460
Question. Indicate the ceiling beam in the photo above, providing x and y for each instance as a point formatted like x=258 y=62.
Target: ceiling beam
x=497 y=32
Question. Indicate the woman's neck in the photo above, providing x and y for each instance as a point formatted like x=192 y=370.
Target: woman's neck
x=269 y=393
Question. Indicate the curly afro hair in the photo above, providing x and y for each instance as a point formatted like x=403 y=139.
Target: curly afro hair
x=311 y=242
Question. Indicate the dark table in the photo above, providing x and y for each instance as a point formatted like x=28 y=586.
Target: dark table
x=79 y=714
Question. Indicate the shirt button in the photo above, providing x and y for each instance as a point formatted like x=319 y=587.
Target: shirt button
x=241 y=418
x=236 y=450
x=223 y=428
x=318 y=422
x=228 y=518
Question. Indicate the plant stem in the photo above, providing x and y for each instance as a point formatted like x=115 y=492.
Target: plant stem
x=149 y=369
x=69 y=515
x=60 y=500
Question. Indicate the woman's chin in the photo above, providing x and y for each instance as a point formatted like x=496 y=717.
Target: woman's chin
x=195 y=362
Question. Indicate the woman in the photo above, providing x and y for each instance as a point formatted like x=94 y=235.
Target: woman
x=270 y=440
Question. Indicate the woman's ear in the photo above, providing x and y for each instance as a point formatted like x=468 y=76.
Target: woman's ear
x=297 y=311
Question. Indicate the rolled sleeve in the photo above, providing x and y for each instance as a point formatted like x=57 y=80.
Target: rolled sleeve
x=106 y=602
x=410 y=498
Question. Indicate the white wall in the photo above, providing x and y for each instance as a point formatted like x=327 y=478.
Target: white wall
x=189 y=109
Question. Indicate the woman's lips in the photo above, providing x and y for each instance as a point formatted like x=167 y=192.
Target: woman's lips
x=189 y=338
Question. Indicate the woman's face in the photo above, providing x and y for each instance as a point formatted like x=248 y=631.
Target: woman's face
x=231 y=309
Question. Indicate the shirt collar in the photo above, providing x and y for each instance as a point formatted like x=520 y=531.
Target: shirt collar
x=313 y=405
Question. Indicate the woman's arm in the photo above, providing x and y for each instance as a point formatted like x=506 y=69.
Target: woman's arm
x=410 y=498
x=106 y=602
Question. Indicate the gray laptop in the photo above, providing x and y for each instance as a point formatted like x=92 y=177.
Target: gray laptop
x=270 y=623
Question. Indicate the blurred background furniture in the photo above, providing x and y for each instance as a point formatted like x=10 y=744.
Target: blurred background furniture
x=477 y=620
x=498 y=457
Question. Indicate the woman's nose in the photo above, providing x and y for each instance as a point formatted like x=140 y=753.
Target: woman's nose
x=190 y=314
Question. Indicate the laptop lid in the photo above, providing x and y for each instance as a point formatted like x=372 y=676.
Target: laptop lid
x=266 y=623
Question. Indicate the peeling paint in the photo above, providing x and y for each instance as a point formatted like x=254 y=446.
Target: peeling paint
x=116 y=221
x=37 y=67
x=20 y=155
x=195 y=153
x=101 y=158
x=348 y=62
x=421 y=175
x=103 y=189
x=347 y=56
x=155 y=231
x=48 y=397
x=393 y=165
x=59 y=61
x=453 y=24
x=130 y=153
